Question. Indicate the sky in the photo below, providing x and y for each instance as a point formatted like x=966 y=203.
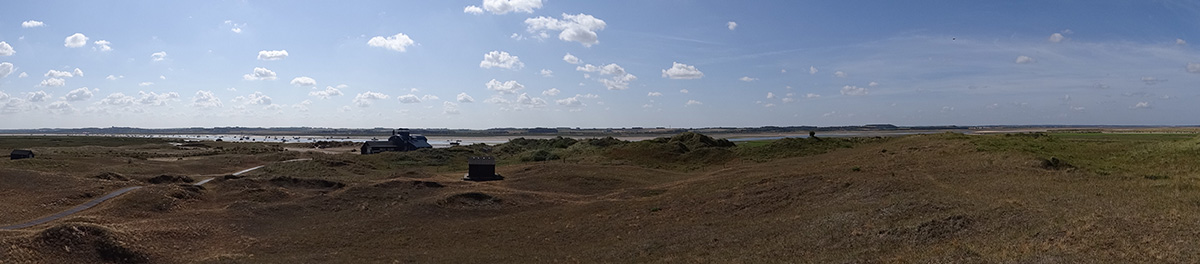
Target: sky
x=553 y=63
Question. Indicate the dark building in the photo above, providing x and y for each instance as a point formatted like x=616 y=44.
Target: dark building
x=481 y=169
x=21 y=154
x=400 y=140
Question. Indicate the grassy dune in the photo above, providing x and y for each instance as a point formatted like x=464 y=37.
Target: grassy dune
x=1025 y=198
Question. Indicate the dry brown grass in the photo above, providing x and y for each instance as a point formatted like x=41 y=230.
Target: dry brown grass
x=929 y=198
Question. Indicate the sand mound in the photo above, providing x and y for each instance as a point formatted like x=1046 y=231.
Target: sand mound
x=471 y=199
x=285 y=181
x=89 y=241
x=409 y=184
x=112 y=176
x=187 y=192
x=160 y=179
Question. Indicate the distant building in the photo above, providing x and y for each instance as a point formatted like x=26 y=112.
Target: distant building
x=21 y=154
x=400 y=140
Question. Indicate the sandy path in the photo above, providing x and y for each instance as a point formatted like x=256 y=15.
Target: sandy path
x=106 y=197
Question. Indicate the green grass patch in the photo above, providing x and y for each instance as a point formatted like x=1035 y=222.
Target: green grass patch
x=1105 y=154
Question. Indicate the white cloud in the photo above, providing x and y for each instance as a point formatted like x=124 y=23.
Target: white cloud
x=509 y=87
x=58 y=74
x=256 y=98
x=570 y=102
x=526 y=100
x=1141 y=105
x=104 y=45
x=839 y=74
x=15 y=105
x=1057 y=37
x=304 y=81
x=79 y=94
x=853 y=90
x=163 y=77
x=769 y=105
x=1151 y=80
x=571 y=59
x=75 y=41
x=812 y=70
x=947 y=109
x=259 y=74
x=547 y=73
x=429 y=97
x=1024 y=59
x=144 y=84
x=551 y=92
x=449 y=108
x=23 y=74
x=693 y=102
x=118 y=99
x=231 y=89
x=619 y=80
x=53 y=82
x=501 y=7
x=270 y=55
x=1193 y=67
x=682 y=71
x=235 y=27
x=78 y=72
x=1180 y=42
x=399 y=42
x=114 y=78
x=732 y=25
x=329 y=91
x=6 y=50
x=158 y=56
x=408 y=99
x=788 y=100
x=205 y=99
x=6 y=69
x=60 y=107
x=365 y=99
x=747 y=79
x=578 y=28
x=500 y=59
x=474 y=10
x=32 y=24
x=155 y=99
x=811 y=95
x=873 y=84
x=464 y=98
x=654 y=94
x=683 y=91
x=770 y=95
x=39 y=96
x=302 y=106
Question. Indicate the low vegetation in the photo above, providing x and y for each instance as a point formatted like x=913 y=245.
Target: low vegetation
x=936 y=198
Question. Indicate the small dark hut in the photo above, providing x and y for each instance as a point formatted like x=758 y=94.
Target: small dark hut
x=21 y=154
x=482 y=169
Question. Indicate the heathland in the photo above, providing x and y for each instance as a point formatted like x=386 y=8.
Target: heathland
x=1018 y=197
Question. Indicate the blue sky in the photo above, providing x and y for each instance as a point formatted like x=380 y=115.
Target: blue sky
x=639 y=63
